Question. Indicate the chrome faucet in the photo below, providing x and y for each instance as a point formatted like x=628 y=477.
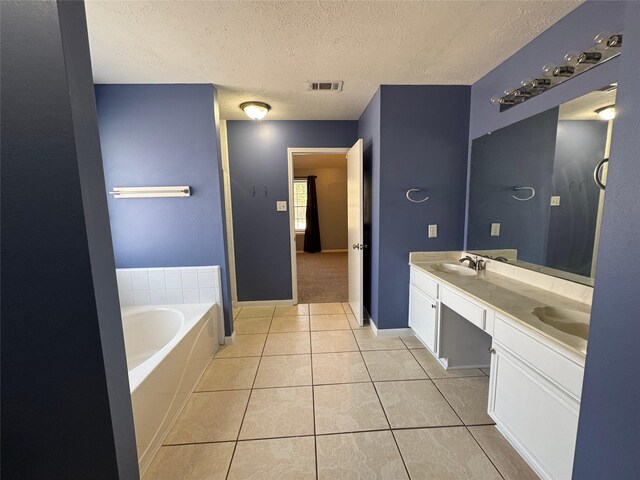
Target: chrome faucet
x=472 y=262
x=477 y=264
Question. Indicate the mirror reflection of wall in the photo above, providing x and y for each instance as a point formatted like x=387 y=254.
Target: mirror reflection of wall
x=553 y=154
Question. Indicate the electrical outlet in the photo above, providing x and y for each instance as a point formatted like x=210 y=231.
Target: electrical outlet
x=281 y=206
x=433 y=231
x=495 y=229
x=555 y=200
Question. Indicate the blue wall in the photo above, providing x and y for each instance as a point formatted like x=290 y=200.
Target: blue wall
x=369 y=132
x=258 y=157
x=609 y=430
x=574 y=31
x=66 y=405
x=415 y=136
x=580 y=145
x=520 y=154
x=154 y=135
x=608 y=436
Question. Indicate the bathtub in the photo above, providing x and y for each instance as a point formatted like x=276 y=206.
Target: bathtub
x=168 y=347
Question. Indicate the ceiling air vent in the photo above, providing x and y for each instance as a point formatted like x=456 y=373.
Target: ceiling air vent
x=325 y=86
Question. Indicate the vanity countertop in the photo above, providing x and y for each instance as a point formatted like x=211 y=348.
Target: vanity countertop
x=513 y=299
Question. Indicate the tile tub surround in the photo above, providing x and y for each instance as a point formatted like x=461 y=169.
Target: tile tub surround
x=317 y=412
x=169 y=286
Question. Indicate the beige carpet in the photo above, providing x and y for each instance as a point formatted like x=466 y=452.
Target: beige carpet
x=322 y=277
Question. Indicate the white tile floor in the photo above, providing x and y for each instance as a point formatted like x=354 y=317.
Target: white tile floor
x=306 y=393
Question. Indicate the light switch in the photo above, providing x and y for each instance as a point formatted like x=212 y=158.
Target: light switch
x=495 y=229
x=555 y=200
x=433 y=231
x=281 y=206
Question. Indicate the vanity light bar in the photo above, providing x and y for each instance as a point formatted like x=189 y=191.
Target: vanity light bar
x=605 y=47
x=149 y=192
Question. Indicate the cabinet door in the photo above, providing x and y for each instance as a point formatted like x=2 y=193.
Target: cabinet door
x=540 y=420
x=423 y=316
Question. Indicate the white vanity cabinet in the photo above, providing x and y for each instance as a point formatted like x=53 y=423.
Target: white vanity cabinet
x=534 y=398
x=423 y=309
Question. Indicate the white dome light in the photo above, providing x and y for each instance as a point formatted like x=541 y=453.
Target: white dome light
x=255 y=110
x=607 y=113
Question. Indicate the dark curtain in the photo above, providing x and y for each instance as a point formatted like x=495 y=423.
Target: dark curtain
x=312 y=232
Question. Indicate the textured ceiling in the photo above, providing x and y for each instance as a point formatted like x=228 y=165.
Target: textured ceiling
x=584 y=107
x=268 y=50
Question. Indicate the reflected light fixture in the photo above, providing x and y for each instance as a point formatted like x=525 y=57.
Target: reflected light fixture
x=607 y=113
x=255 y=110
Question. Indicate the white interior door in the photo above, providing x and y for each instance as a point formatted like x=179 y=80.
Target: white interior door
x=355 y=219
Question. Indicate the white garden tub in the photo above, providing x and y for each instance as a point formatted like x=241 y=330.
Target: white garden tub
x=168 y=347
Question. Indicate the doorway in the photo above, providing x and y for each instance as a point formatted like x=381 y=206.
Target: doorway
x=322 y=200
x=320 y=191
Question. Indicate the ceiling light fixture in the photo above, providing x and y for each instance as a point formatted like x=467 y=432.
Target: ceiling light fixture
x=255 y=110
x=605 y=47
x=607 y=113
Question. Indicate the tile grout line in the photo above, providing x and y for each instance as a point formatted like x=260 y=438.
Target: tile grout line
x=313 y=403
x=459 y=417
x=235 y=446
x=329 y=434
x=483 y=451
x=395 y=441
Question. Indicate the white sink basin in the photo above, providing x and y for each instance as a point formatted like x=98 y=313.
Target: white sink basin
x=566 y=320
x=454 y=269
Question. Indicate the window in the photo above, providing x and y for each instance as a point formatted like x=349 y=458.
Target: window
x=300 y=204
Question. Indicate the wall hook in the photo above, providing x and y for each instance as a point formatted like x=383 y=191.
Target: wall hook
x=533 y=193
x=410 y=191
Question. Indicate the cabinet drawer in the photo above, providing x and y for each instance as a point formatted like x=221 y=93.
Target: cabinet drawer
x=466 y=308
x=556 y=367
x=422 y=281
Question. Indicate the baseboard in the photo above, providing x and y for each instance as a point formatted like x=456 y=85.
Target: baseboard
x=467 y=367
x=390 y=332
x=229 y=340
x=265 y=303
x=394 y=332
x=373 y=327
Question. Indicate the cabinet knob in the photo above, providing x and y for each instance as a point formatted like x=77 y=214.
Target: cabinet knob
x=433 y=305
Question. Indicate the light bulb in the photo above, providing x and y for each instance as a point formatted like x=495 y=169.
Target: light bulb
x=600 y=42
x=528 y=83
x=572 y=58
x=255 y=110
x=496 y=100
x=548 y=69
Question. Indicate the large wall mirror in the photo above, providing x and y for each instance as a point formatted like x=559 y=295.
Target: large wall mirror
x=537 y=188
